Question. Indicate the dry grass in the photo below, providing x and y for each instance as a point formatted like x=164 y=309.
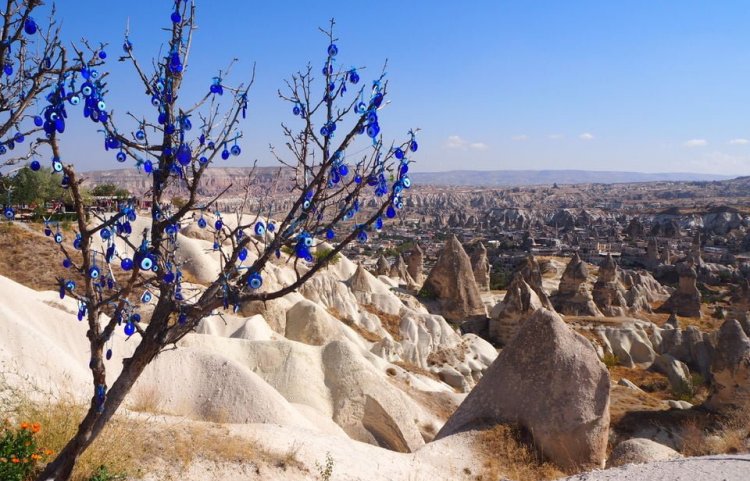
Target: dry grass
x=390 y=323
x=413 y=368
x=144 y=399
x=728 y=434
x=366 y=335
x=503 y=453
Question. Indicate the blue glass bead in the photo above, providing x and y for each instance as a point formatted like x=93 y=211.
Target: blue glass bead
x=217 y=88
x=373 y=130
x=109 y=354
x=126 y=264
x=57 y=166
x=203 y=159
x=102 y=54
x=254 y=281
x=236 y=150
x=377 y=99
x=296 y=110
x=38 y=121
x=105 y=234
x=406 y=182
x=184 y=155
x=140 y=135
x=218 y=224
x=109 y=254
x=87 y=89
x=146 y=297
x=94 y=272
x=403 y=169
x=146 y=263
x=169 y=129
x=9 y=213
x=242 y=255
x=271 y=227
x=333 y=50
x=353 y=76
x=362 y=236
x=176 y=17
x=19 y=138
x=70 y=285
x=148 y=167
x=8 y=69
x=35 y=165
x=202 y=223
x=156 y=103
x=379 y=223
x=169 y=277
x=358 y=179
x=67 y=263
x=29 y=26
x=330 y=234
x=129 y=329
x=121 y=157
x=390 y=212
x=225 y=154
x=47 y=231
x=260 y=228
x=58 y=238
x=399 y=154
x=127 y=46
x=182 y=319
x=413 y=146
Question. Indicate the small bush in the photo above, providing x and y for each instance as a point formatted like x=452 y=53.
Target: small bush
x=20 y=454
x=326 y=471
x=610 y=360
x=103 y=474
x=323 y=254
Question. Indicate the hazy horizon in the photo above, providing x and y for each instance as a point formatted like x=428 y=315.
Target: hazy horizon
x=640 y=87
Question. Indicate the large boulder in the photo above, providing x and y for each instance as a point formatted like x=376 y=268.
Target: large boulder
x=550 y=381
x=451 y=282
x=308 y=322
x=686 y=300
x=574 y=294
x=382 y=268
x=730 y=369
x=481 y=266
x=639 y=451
x=676 y=371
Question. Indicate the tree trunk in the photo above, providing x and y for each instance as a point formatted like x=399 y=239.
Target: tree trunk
x=61 y=468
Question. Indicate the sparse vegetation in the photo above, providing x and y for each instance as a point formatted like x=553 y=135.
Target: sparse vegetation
x=505 y=454
x=325 y=471
x=390 y=322
x=610 y=360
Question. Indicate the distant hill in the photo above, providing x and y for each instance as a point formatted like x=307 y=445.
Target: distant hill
x=534 y=177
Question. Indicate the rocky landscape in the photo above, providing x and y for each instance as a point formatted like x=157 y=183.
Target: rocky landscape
x=412 y=361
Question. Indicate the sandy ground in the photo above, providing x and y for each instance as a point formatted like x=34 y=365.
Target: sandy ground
x=706 y=468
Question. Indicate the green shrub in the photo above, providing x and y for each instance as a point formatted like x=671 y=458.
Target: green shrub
x=103 y=474
x=323 y=255
x=326 y=471
x=610 y=360
x=19 y=452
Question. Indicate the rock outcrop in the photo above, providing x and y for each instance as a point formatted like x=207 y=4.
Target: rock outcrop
x=550 y=381
x=451 y=282
x=400 y=271
x=574 y=294
x=415 y=263
x=730 y=369
x=532 y=274
x=481 y=267
x=686 y=300
x=382 y=268
x=519 y=304
x=639 y=451
x=609 y=292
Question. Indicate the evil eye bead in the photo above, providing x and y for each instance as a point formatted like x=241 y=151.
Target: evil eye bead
x=102 y=54
x=108 y=355
x=390 y=212
x=271 y=227
x=38 y=121
x=70 y=285
x=218 y=224
x=306 y=204
x=146 y=263
x=353 y=76
x=413 y=146
x=19 y=138
x=155 y=101
x=87 y=89
x=202 y=223
x=330 y=234
x=254 y=281
x=236 y=150
x=225 y=154
x=146 y=297
x=29 y=26
x=377 y=99
x=379 y=223
x=176 y=17
x=101 y=105
x=260 y=228
x=35 y=165
x=67 y=263
x=121 y=157
x=9 y=213
x=148 y=167
x=308 y=241
x=343 y=170
x=105 y=234
x=94 y=272
x=140 y=135
x=129 y=329
x=58 y=238
x=406 y=182
x=126 y=264
x=296 y=109
x=57 y=166
x=203 y=159
x=333 y=50
x=242 y=255
x=362 y=236
x=373 y=130
x=399 y=154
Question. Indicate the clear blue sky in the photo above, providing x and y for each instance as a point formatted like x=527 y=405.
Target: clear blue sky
x=601 y=85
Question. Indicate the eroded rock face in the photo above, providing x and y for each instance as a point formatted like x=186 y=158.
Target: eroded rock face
x=532 y=274
x=574 y=294
x=382 y=268
x=400 y=271
x=415 y=264
x=609 y=293
x=452 y=283
x=519 y=304
x=481 y=266
x=686 y=300
x=549 y=380
x=730 y=369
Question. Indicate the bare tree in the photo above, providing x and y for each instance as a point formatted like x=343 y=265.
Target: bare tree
x=335 y=196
